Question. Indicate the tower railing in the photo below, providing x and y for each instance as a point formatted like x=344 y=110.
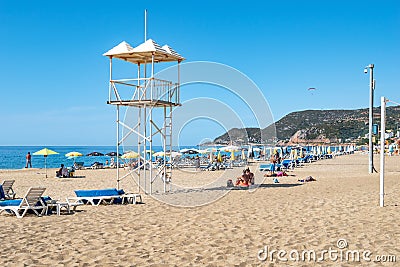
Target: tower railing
x=146 y=90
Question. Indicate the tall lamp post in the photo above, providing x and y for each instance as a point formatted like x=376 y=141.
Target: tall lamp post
x=371 y=110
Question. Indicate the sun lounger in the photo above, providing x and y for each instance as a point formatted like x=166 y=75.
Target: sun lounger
x=96 y=197
x=78 y=165
x=97 y=165
x=31 y=201
x=7 y=189
x=265 y=167
x=288 y=163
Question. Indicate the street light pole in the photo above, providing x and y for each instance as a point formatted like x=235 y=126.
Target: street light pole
x=371 y=110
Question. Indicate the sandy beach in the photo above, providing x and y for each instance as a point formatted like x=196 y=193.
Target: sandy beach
x=341 y=204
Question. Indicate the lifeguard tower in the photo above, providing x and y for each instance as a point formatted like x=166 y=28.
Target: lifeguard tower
x=145 y=94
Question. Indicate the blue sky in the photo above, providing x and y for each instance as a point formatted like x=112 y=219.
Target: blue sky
x=54 y=79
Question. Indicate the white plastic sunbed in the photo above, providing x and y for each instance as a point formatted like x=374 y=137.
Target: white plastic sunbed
x=8 y=190
x=31 y=201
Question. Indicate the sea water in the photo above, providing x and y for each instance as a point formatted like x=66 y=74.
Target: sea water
x=13 y=157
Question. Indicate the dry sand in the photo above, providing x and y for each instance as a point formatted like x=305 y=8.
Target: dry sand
x=342 y=203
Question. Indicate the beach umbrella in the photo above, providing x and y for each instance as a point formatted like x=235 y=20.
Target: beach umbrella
x=174 y=154
x=232 y=156
x=73 y=155
x=113 y=154
x=130 y=155
x=292 y=153
x=45 y=152
x=211 y=156
x=158 y=154
x=229 y=148
x=243 y=154
x=161 y=154
x=189 y=151
x=95 y=154
x=219 y=158
x=329 y=150
x=301 y=153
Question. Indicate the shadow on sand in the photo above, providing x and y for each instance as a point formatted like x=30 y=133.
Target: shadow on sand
x=277 y=185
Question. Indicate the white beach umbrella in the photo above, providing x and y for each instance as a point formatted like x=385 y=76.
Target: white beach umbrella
x=130 y=155
x=161 y=154
x=203 y=151
x=211 y=156
x=230 y=148
x=292 y=151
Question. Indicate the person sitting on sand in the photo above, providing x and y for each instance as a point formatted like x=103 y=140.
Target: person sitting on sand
x=244 y=180
x=62 y=172
x=250 y=176
x=240 y=179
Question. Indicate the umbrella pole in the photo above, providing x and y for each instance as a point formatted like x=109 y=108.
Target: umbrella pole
x=45 y=166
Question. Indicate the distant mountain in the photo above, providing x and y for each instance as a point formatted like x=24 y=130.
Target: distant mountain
x=319 y=126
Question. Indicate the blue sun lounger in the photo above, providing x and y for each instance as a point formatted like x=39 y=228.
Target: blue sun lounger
x=288 y=163
x=106 y=196
x=265 y=167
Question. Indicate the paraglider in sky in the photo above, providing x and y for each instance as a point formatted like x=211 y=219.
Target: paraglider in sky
x=312 y=89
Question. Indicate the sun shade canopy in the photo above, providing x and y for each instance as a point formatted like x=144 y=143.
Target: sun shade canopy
x=144 y=52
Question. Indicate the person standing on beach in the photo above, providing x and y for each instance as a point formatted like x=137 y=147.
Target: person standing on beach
x=28 y=160
x=197 y=163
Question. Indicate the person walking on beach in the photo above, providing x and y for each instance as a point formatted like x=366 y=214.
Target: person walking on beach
x=28 y=160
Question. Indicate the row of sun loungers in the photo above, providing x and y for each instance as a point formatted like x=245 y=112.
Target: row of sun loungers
x=292 y=163
x=34 y=201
